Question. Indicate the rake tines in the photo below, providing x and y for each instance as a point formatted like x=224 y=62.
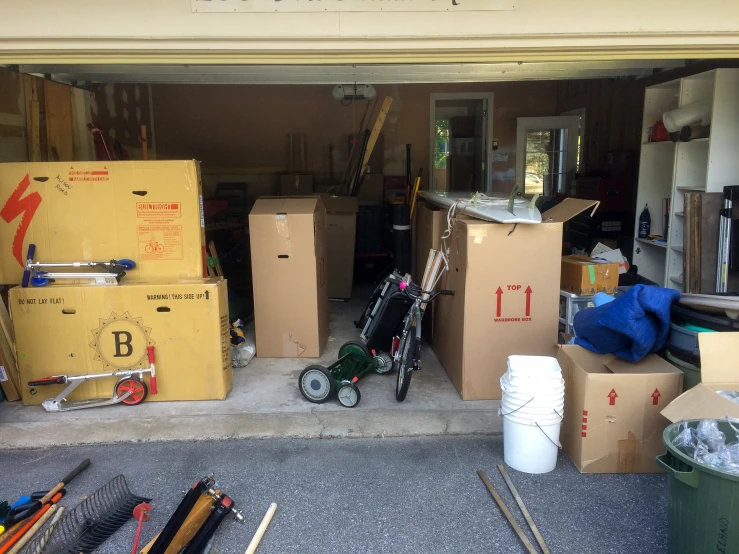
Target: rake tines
x=92 y=522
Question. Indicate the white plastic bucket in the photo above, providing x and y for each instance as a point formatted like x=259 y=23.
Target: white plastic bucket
x=533 y=400
x=507 y=408
x=530 y=448
x=534 y=366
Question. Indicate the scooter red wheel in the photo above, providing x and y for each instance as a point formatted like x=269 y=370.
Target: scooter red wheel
x=139 y=390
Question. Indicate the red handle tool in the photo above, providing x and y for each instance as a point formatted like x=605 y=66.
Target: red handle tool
x=153 y=378
x=140 y=513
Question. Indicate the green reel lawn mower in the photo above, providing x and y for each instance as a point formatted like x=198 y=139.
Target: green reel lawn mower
x=318 y=383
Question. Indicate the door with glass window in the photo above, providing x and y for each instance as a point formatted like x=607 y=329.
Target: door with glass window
x=547 y=153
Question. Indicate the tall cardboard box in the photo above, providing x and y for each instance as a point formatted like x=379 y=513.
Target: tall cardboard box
x=505 y=280
x=612 y=421
x=586 y=276
x=288 y=260
x=341 y=229
x=149 y=212
x=82 y=329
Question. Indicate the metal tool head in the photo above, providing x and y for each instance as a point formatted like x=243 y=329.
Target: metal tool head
x=141 y=511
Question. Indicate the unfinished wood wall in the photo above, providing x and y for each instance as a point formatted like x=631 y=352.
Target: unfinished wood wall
x=613 y=116
x=246 y=126
x=42 y=120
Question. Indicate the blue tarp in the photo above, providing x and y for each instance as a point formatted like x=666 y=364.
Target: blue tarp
x=633 y=325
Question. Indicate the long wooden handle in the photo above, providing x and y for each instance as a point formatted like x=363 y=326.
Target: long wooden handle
x=524 y=511
x=33 y=530
x=506 y=512
x=261 y=529
x=29 y=523
x=67 y=479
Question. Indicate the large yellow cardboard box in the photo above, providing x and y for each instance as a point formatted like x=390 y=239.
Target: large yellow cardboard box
x=149 y=212
x=505 y=280
x=612 y=421
x=83 y=329
x=288 y=261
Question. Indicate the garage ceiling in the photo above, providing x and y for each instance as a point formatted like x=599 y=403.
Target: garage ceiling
x=332 y=74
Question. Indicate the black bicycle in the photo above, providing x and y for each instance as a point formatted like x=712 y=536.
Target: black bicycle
x=406 y=348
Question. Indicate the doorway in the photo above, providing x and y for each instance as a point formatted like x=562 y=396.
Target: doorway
x=461 y=134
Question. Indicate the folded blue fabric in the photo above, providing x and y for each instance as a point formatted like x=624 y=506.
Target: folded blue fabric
x=633 y=325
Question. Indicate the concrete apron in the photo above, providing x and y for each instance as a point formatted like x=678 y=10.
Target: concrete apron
x=266 y=403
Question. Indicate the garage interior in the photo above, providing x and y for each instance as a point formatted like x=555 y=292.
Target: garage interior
x=251 y=126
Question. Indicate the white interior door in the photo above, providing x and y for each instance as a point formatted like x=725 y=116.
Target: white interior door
x=546 y=153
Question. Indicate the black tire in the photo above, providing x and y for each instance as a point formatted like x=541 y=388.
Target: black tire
x=349 y=395
x=405 y=365
x=353 y=345
x=316 y=384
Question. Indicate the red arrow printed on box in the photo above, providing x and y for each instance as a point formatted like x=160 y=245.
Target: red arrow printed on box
x=528 y=301
x=612 y=395
x=655 y=397
x=499 y=294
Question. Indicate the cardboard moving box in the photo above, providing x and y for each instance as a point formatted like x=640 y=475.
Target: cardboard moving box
x=612 y=421
x=81 y=329
x=505 y=280
x=719 y=371
x=149 y=212
x=586 y=276
x=288 y=260
x=341 y=228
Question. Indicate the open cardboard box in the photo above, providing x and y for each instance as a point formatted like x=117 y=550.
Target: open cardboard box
x=719 y=371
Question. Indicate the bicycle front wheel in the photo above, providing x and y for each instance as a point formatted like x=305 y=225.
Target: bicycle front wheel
x=405 y=365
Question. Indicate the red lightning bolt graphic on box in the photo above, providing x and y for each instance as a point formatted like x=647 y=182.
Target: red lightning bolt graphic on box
x=15 y=206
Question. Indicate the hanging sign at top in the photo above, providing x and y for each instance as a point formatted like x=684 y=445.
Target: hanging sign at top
x=267 y=6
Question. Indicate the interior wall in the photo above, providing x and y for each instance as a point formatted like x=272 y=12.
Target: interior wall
x=613 y=110
x=120 y=110
x=246 y=126
x=13 y=137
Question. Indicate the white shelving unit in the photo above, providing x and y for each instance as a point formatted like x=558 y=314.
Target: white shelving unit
x=668 y=170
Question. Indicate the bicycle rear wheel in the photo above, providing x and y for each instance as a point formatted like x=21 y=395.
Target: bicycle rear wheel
x=405 y=365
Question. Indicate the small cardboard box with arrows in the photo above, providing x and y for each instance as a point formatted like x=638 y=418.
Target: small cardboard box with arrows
x=612 y=421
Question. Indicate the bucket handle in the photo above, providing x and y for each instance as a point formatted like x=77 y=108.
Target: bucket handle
x=547 y=436
x=690 y=478
x=514 y=411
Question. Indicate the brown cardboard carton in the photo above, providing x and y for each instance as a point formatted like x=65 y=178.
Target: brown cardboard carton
x=80 y=329
x=506 y=284
x=296 y=185
x=149 y=212
x=719 y=371
x=612 y=421
x=586 y=276
x=341 y=228
x=288 y=258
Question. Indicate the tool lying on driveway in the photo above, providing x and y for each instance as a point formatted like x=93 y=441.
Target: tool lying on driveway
x=92 y=521
x=140 y=514
x=185 y=515
x=34 y=504
x=39 y=274
x=318 y=383
x=130 y=389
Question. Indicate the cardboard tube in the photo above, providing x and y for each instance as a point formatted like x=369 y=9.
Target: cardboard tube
x=261 y=529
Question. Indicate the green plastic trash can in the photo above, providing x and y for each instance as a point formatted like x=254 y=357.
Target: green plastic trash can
x=703 y=514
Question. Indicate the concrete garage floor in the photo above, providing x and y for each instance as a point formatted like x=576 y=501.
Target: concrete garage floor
x=399 y=495
x=265 y=402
